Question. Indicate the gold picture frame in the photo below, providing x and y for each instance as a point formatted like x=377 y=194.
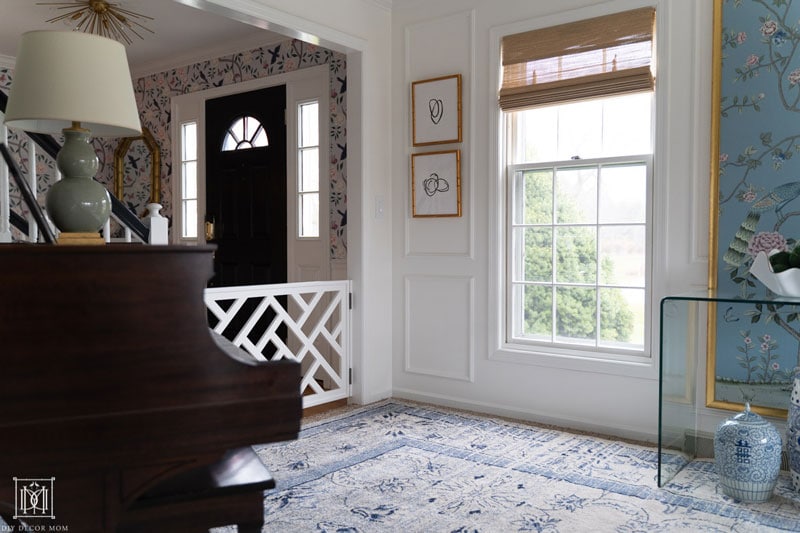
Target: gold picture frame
x=436 y=110
x=155 y=165
x=436 y=184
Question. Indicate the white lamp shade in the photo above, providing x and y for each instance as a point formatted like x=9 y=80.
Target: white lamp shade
x=66 y=77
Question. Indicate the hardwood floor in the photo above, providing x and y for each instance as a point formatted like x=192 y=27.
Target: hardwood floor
x=325 y=407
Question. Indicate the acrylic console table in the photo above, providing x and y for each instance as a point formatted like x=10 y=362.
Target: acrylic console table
x=686 y=421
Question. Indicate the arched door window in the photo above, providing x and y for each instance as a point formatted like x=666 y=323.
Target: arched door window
x=244 y=133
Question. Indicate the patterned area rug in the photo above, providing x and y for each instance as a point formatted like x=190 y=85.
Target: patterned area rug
x=404 y=467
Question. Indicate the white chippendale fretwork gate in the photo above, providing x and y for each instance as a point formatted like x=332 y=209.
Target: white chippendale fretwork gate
x=306 y=322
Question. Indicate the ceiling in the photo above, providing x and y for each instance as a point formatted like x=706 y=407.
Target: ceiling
x=183 y=34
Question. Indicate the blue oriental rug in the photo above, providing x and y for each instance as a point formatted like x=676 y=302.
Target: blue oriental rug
x=405 y=467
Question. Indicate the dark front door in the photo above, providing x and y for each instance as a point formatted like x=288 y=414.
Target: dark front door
x=246 y=186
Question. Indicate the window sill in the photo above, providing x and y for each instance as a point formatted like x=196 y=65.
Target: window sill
x=643 y=367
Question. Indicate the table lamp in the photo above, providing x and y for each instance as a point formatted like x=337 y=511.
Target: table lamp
x=78 y=84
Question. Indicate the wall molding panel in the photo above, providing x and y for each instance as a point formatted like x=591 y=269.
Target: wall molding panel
x=439 y=326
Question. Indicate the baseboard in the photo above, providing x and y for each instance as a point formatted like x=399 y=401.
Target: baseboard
x=699 y=443
x=629 y=433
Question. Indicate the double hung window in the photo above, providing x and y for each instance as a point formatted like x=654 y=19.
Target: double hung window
x=577 y=108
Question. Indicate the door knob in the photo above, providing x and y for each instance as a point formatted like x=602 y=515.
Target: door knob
x=210 y=230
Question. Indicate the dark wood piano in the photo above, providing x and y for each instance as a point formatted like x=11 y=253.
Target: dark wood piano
x=111 y=383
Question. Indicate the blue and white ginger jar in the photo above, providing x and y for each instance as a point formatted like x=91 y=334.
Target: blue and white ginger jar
x=747 y=455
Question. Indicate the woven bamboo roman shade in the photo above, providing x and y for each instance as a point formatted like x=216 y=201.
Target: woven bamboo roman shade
x=602 y=56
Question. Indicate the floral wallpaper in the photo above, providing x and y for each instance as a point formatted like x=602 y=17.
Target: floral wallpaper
x=153 y=97
x=758 y=346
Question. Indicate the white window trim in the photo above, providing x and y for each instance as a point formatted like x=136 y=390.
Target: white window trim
x=312 y=88
x=598 y=362
x=181 y=200
x=297 y=173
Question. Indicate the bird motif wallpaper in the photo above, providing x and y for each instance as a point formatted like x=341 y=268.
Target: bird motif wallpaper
x=757 y=345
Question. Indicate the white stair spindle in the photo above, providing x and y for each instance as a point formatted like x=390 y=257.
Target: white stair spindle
x=5 y=202
x=33 y=227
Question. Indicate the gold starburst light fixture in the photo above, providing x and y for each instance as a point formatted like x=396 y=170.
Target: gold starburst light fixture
x=103 y=18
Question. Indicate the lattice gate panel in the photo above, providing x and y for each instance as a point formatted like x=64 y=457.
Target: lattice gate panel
x=305 y=322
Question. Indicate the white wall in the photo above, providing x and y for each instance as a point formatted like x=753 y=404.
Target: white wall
x=362 y=30
x=417 y=280
x=443 y=303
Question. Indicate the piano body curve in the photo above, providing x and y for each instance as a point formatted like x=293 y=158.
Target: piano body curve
x=111 y=381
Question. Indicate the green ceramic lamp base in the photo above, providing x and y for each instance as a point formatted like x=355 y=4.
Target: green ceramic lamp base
x=78 y=203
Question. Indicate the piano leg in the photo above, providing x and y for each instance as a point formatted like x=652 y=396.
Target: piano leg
x=228 y=492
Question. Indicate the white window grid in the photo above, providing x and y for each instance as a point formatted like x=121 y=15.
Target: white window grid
x=307 y=148
x=513 y=317
x=189 y=207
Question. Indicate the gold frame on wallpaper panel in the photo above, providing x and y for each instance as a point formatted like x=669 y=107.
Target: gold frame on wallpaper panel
x=420 y=83
x=713 y=234
x=414 y=185
x=155 y=165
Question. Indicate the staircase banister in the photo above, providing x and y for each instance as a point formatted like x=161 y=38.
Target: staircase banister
x=128 y=218
x=19 y=222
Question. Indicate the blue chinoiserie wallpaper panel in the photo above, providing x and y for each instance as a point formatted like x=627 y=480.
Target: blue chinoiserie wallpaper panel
x=757 y=346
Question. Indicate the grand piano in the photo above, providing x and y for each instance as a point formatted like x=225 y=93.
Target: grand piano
x=111 y=385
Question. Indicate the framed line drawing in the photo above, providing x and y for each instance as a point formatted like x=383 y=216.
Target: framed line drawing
x=436 y=184
x=436 y=110
x=28 y=197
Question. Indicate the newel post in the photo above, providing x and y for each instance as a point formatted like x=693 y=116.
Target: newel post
x=159 y=225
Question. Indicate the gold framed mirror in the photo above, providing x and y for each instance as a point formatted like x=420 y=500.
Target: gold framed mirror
x=155 y=165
